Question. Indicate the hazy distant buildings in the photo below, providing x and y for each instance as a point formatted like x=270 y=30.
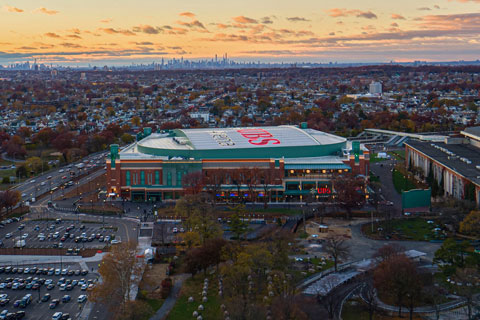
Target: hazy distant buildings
x=375 y=88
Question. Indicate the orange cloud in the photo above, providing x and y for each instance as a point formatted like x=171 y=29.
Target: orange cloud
x=148 y=29
x=45 y=11
x=52 y=35
x=12 y=9
x=117 y=31
x=339 y=12
x=187 y=14
x=195 y=24
x=243 y=19
x=106 y=20
x=397 y=16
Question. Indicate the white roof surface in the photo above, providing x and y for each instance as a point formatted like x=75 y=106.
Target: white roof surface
x=238 y=138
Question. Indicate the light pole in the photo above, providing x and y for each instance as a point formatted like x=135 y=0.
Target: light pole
x=103 y=215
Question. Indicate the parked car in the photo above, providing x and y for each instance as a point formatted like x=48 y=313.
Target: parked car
x=57 y=315
x=82 y=298
x=54 y=303
x=46 y=297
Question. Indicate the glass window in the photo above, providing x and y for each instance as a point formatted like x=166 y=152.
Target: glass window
x=169 y=179
x=142 y=178
x=157 y=177
x=179 y=178
x=127 y=178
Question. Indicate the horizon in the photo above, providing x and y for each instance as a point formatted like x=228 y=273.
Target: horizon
x=344 y=31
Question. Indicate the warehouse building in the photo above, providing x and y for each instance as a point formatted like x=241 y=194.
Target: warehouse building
x=453 y=163
x=283 y=163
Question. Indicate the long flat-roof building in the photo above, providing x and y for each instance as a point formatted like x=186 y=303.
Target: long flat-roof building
x=454 y=163
x=283 y=163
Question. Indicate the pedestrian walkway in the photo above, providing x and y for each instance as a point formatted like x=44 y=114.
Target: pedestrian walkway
x=167 y=306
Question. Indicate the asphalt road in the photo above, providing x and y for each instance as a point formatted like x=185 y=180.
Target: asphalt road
x=41 y=184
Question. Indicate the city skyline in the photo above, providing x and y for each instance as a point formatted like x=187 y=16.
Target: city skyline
x=55 y=32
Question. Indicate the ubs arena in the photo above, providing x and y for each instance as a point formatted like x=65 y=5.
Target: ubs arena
x=283 y=163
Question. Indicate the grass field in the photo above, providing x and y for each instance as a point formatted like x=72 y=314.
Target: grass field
x=401 y=183
x=399 y=154
x=193 y=288
x=416 y=229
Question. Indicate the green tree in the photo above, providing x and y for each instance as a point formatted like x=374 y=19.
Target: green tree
x=127 y=138
x=451 y=255
x=34 y=164
x=21 y=171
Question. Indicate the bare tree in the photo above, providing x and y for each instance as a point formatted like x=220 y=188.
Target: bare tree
x=466 y=280
x=388 y=251
x=336 y=247
x=369 y=295
x=326 y=297
x=349 y=192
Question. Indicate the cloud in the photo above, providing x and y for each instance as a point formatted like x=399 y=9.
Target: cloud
x=117 y=31
x=45 y=11
x=12 y=9
x=52 y=35
x=192 y=25
x=187 y=14
x=339 y=12
x=147 y=29
x=397 y=17
x=424 y=9
x=243 y=19
x=106 y=20
x=298 y=19
x=74 y=36
x=266 y=20
x=394 y=24
x=71 y=45
x=465 y=1
x=144 y=43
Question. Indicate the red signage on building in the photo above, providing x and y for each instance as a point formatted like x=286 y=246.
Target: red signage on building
x=324 y=191
x=258 y=136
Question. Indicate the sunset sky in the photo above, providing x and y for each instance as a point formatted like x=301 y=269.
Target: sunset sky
x=125 y=31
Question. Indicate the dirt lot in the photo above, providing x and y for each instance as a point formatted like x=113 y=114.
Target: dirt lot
x=338 y=227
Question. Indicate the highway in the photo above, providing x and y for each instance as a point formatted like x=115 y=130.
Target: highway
x=34 y=187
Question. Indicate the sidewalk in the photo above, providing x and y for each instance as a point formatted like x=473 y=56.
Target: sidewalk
x=167 y=306
x=25 y=259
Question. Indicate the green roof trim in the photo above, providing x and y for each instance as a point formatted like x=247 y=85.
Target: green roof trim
x=322 y=166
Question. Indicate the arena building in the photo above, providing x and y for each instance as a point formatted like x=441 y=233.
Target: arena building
x=283 y=163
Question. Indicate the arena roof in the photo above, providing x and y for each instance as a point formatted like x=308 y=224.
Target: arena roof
x=253 y=142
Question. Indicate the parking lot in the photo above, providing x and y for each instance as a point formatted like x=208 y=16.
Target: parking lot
x=25 y=281
x=57 y=233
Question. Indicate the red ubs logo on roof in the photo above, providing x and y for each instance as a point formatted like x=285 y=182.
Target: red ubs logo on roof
x=258 y=136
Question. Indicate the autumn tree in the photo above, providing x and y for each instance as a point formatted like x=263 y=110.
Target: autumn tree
x=118 y=269
x=398 y=279
x=471 y=223
x=9 y=198
x=349 y=192
x=200 y=221
x=336 y=247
